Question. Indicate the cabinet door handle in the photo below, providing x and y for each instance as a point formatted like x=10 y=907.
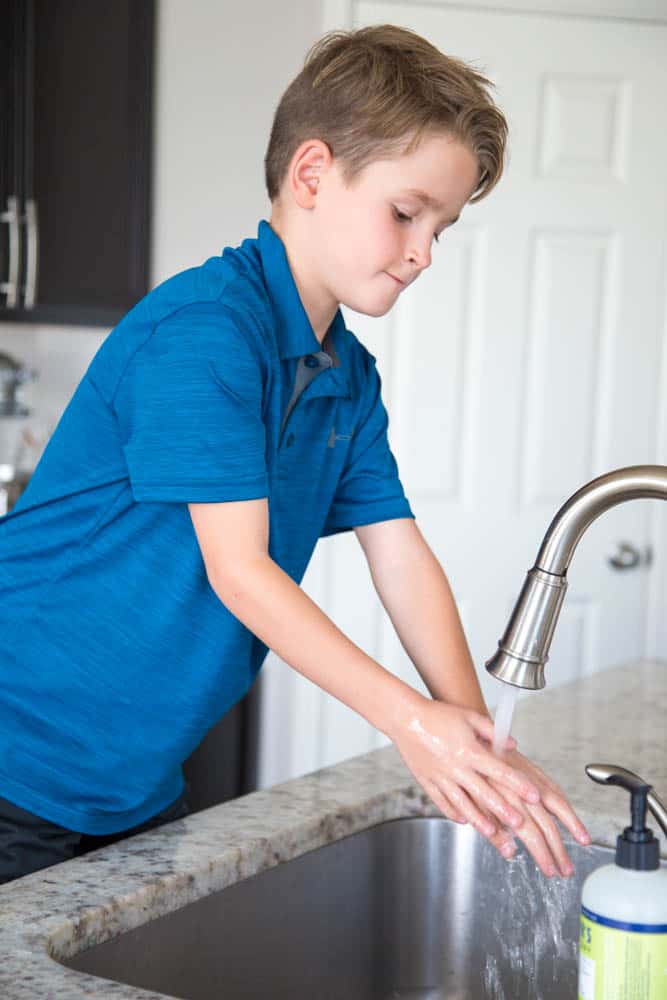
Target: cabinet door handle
x=32 y=253
x=10 y=288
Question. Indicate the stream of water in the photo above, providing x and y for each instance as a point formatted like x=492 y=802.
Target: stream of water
x=503 y=718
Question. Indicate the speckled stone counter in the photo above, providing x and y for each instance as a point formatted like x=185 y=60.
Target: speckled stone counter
x=615 y=717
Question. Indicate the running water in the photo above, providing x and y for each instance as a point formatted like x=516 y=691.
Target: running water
x=503 y=718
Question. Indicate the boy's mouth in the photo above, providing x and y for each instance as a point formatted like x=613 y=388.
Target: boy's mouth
x=397 y=280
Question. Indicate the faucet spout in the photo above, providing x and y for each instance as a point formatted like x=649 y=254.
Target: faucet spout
x=524 y=647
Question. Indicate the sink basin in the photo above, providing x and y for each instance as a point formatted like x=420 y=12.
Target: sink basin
x=417 y=908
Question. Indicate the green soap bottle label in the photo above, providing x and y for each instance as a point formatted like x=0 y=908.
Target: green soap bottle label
x=621 y=961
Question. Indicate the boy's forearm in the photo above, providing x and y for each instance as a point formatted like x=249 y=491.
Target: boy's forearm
x=269 y=603
x=417 y=597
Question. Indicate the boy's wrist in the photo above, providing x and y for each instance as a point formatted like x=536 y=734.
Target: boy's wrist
x=402 y=708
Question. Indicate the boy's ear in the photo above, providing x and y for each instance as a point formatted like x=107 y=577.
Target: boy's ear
x=310 y=161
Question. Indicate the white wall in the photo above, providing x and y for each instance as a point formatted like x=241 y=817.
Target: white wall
x=221 y=69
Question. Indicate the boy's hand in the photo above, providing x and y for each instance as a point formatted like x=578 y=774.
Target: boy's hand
x=539 y=832
x=448 y=750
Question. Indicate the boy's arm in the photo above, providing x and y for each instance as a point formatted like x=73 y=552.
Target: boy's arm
x=438 y=742
x=417 y=597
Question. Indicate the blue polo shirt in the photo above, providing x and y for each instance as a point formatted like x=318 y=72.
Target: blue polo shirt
x=116 y=654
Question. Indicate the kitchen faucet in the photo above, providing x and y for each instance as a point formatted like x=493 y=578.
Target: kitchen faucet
x=524 y=648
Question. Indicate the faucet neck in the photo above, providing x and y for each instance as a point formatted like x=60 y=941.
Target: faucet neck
x=524 y=648
x=634 y=482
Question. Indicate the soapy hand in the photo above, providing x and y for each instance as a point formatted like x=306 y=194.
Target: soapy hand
x=448 y=750
x=539 y=832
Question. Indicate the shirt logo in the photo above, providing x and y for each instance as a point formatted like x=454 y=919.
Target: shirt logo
x=333 y=437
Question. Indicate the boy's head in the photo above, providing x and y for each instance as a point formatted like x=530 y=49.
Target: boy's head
x=373 y=93
x=375 y=115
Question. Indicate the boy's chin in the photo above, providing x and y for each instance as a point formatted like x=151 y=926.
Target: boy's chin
x=375 y=309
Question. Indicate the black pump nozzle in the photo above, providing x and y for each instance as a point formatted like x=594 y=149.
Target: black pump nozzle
x=638 y=805
x=636 y=847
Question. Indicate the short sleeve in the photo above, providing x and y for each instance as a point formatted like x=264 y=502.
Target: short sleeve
x=189 y=406
x=369 y=488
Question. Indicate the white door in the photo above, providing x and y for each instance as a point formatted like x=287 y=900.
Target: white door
x=526 y=360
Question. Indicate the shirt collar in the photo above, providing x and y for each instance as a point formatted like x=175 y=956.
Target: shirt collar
x=295 y=334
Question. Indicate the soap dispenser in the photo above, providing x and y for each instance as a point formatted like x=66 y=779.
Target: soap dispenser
x=623 y=924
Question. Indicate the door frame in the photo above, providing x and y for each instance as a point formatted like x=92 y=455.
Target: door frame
x=338 y=13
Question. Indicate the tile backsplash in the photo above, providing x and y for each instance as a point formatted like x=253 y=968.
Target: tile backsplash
x=60 y=355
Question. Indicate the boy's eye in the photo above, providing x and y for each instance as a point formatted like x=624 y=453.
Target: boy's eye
x=402 y=217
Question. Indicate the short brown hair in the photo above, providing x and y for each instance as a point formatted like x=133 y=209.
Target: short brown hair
x=374 y=93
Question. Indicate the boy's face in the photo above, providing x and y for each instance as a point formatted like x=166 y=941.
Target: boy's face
x=375 y=237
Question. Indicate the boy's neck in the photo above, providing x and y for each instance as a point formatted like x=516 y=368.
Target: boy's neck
x=317 y=302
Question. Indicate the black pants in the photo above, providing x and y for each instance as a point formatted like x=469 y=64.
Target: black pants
x=28 y=842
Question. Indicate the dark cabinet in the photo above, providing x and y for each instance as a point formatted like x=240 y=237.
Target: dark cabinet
x=75 y=158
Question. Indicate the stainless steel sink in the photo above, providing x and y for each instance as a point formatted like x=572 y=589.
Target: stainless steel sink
x=412 y=908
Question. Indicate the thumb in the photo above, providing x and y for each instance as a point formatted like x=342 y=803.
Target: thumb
x=485 y=727
x=482 y=725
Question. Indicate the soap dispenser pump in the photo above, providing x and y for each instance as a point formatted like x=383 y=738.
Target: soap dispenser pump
x=623 y=924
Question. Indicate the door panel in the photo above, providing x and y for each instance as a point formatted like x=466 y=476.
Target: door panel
x=526 y=361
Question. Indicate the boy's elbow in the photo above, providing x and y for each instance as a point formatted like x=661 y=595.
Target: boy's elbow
x=229 y=581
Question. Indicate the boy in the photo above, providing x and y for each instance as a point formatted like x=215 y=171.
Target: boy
x=228 y=422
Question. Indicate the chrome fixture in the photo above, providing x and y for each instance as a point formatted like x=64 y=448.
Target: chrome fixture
x=524 y=648
x=15 y=438
x=32 y=254
x=15 y=218
x=13 y=376
x=12 y=485
x=10 y=287
x=607 y=774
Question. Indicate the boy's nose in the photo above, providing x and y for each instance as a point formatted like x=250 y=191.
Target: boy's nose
x=419 y=255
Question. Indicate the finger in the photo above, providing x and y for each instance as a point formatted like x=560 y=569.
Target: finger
x=556 y=803
x=532 y=836
x=491 y=766
x=464 y=804
x=536 y=844
x=490 y=800
x=555 y=800
x=441 y=801
x=553 y=839
x=510 y=743
x=504 y=843
x=486 y=728
x=482 y=724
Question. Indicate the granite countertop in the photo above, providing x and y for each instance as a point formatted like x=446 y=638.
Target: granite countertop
x=615 y=717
